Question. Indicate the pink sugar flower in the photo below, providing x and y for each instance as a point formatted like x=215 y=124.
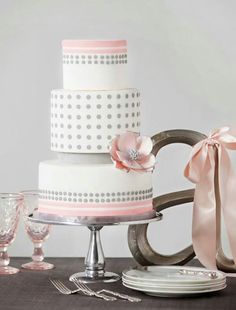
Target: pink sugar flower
x=130 y=151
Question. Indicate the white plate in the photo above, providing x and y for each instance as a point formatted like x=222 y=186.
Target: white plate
x=175 y=293
x=171 y=275
x=186 y=286
x=172 y=284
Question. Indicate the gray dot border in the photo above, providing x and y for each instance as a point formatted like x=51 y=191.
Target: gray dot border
x=85 y=197
x=101 y=59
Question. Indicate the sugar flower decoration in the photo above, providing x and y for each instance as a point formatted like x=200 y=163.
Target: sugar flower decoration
x=130 y=151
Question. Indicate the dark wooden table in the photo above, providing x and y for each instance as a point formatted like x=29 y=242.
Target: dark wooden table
x=31 y=290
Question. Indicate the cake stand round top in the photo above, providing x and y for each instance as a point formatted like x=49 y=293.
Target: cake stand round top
x=35 y=217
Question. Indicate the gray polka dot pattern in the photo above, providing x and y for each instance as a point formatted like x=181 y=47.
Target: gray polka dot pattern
x=100 y=59
x=86 y=121
x=107 y=197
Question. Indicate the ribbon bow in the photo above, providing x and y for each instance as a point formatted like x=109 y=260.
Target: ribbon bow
x=201 y=171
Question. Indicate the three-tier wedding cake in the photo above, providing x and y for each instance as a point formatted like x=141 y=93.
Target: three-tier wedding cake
x=95 y=123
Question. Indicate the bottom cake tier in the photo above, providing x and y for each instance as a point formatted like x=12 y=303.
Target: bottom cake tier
x=93 y=192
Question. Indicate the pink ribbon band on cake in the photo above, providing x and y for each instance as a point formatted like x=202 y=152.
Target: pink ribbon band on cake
x=94 y=43
x=95 y=51
x=94 y=47
x=95 y=209
x=201 y=171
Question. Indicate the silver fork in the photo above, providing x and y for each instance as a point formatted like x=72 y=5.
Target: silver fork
x=81 y=285
x=63 y=289
x=66 y=291
x=209 y=274
x=122 y=296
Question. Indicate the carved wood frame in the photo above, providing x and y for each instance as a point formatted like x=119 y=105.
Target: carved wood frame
x=138 y=242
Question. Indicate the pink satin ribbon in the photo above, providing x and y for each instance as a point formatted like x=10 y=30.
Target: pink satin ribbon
x=201 y=170
x=95 y=209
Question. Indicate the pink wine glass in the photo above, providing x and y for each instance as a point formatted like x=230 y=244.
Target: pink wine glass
x=10 y=205
x=37 y=232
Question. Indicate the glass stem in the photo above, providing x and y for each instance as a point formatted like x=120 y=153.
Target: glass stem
x=38 y=255
x=4 y=258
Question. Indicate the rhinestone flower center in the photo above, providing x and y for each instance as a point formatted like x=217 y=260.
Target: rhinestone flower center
x=133 y=154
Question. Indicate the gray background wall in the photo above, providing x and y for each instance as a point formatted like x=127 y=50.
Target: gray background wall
x=182 y=54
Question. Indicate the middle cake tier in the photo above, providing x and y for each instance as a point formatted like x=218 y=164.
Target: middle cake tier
x=86 y=121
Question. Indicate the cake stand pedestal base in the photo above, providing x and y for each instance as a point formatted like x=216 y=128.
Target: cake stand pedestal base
x=95 y=261
x=104 y=277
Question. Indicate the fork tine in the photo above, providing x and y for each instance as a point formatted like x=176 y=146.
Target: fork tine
x=54 y=283
x=61 y=288
x=80 y=286
x=86 y=287
x=83 y=286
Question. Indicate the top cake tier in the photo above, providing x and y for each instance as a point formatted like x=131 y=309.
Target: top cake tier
x=94 y=65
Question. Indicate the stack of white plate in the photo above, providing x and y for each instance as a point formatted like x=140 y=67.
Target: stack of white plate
x=172 y=281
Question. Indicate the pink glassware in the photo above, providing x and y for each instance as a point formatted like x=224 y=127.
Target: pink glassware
x=37 y=232
x=10 y=205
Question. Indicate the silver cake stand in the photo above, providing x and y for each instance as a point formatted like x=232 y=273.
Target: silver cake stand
x=95 y=259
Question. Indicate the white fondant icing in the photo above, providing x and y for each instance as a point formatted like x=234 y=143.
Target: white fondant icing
x=95 y=76
x=86 y=121
x=92 y=183
x=90 y=159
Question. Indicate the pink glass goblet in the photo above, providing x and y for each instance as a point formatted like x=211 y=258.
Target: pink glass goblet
x=10 y=205
x=37 y=232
